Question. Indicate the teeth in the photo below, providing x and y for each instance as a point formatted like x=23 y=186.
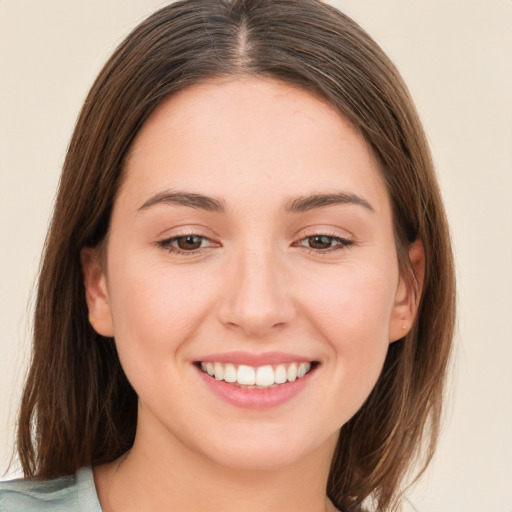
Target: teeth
x=301 y=370
x=219 y=371
x=265 y=376
x=246 y=375
x=230 y=373
x=260 y=377
x=280 y=374
x=291 y=374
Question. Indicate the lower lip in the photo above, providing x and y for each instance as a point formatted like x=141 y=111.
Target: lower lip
x=250 y=398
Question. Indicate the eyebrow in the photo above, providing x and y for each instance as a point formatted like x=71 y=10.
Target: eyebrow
x=192 y=200
x=296 y=205
x=306 y=203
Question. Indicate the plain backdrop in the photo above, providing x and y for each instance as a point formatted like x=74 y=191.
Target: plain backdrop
x=456 y=57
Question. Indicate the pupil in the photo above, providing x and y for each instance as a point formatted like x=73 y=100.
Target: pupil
x=319 y=242
x=189 y=242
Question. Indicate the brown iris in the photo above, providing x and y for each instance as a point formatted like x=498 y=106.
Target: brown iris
x=320 y=242
x=189 y=242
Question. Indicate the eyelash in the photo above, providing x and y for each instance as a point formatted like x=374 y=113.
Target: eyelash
x=341 y=243
x=167 y=244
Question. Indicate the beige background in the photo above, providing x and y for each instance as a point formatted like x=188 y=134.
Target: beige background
x=456 y=57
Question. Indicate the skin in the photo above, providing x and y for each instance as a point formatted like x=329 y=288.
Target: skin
x=256 y=284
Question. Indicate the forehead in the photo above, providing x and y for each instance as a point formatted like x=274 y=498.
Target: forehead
x=252 y=138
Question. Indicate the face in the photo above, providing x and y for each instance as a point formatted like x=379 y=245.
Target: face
x=250 y=275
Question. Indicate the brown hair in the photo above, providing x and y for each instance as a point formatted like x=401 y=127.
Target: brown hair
x=78 y=408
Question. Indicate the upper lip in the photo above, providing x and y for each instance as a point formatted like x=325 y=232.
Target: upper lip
x=250 y=359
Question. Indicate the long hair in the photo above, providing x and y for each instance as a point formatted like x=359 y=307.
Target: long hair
x=78 y=407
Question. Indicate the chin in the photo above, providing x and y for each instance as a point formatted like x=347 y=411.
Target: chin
x=267 y=451
x=258 y=460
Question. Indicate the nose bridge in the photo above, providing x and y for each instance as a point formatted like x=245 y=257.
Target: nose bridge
x=256 y=297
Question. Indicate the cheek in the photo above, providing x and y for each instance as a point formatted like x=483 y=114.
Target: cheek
x=355 y=299
x=155 y=309
x=352 y=312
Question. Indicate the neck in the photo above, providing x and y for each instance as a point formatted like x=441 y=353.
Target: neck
x=172 y=477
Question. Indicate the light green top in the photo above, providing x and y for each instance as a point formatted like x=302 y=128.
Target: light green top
x=74 y=493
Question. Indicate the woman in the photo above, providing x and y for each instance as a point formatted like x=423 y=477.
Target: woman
x=247 y=294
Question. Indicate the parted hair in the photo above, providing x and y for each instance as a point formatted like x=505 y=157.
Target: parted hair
x=78 y=407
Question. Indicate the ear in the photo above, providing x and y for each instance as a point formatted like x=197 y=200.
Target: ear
x=96 y=293
x=408 y=295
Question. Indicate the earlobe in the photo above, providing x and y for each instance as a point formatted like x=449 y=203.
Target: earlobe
x=408 y=294
x=96 y=293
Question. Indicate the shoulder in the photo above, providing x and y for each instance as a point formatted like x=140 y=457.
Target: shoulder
x=74 y=493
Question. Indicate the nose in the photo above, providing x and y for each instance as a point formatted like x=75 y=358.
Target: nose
x=257 y=296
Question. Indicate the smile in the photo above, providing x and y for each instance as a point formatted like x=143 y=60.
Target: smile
x=260 y=377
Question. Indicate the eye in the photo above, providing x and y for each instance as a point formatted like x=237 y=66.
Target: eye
x=186 y=244
x=324 y=243
x=189 y=242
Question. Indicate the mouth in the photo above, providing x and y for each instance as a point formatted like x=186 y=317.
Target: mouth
x=256 y=377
